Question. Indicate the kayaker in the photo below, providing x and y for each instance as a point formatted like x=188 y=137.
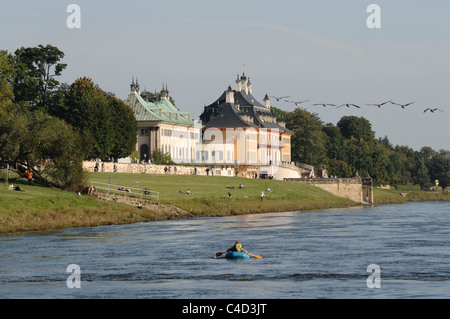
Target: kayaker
x=237 y=247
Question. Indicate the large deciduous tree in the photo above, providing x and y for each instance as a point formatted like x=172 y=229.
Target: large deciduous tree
x=37 y=142
x=86 y=108
x=36 y=72
x=308 y=141
x=124 y=127
x=357 y=127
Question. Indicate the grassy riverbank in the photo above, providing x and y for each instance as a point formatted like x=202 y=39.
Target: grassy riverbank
x=392 y=196
x=209 y=193
x=40 y=208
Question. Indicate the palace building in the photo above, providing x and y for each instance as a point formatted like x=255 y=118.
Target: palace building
x=162 y=126
x=238 y=135
x=241 y=132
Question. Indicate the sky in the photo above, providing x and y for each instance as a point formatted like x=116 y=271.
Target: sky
x=322 y=51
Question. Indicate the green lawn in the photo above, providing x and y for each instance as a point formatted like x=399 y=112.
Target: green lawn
x=37 y=208
x=411 y=194
x=209 y=193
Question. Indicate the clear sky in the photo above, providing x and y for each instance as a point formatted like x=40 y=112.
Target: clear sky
x=320 y=50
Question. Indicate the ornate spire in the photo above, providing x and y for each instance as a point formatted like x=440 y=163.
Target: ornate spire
x=132 y=85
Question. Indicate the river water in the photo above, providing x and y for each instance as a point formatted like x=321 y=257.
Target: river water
x=320 y=254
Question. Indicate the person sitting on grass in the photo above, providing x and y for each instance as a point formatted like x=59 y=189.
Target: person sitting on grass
x=140 y=206
x=14 y=188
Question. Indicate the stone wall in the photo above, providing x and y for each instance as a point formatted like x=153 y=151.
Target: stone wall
x=350 y=188
x=230 y=170
x=155 y=169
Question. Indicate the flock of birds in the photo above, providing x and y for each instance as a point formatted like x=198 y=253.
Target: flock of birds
x=379 y=105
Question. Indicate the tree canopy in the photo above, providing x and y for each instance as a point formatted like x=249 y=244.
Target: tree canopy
x=50 y=128
x=350 y=147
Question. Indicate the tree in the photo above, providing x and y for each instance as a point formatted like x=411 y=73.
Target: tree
x=37 y=69
x=124 y=127
x=161 y=158
x=379 y=162
x=47 y=146
x=338 y=168
x=357 y=154
x=334 y=141
x=7 y=107
x=85 y=107
x=386 y=143
x=357 y=127
x=439 y=167
x=308 y=141
x=394 y=168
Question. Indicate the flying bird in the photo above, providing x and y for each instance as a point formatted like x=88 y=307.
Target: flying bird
x=433 y=110
x=348 y=105
x=279 y=98
x=325 y=104
x=297 y=103
x=402 y=105
x=381 y=104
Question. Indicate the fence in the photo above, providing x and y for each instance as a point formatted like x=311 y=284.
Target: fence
x=125 y=191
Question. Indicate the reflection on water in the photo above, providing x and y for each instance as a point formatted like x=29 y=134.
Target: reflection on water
x=305 y=255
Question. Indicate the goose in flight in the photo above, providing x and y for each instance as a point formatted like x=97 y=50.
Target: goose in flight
x=325 y=104
x=402 y=105
x=279 y=98
x=433 y=110
x=297 y=103
x=348 y=105
x=381 y=104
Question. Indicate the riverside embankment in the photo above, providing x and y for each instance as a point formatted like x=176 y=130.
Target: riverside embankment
x=40 y=208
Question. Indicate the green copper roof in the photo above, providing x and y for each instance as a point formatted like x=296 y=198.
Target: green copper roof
x=162 y=110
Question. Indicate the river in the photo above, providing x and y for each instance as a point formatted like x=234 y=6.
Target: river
x=319 y=254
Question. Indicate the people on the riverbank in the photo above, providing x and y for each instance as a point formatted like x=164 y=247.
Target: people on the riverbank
x=29 y=177
x=14 y=188
x=186 y=192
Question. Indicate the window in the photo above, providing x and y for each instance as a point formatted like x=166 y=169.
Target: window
x=144 y=132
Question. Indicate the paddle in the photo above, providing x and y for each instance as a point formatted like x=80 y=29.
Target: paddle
x=219 y=254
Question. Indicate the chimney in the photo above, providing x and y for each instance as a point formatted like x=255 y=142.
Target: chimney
x=132 y=86
x=244 y=83
x=238 y=84
x=266 y=101
x=229 y=95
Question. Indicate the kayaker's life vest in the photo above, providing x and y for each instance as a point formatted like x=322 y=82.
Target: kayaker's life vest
x=238 y=247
